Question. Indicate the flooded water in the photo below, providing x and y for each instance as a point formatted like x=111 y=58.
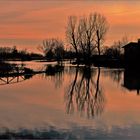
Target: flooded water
x=71 y=102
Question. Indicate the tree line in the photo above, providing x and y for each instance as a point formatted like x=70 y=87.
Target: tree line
x=12 y=53
x=85 y=37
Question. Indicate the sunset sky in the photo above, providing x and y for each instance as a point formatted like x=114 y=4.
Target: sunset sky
x=26 y=23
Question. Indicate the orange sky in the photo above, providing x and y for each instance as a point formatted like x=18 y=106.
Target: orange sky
x=27 y=23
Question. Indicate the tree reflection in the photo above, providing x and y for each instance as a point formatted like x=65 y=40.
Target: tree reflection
x=12 y=73
x=55 y=73
x=114 y=74
x=84 y=93
x=132 y=79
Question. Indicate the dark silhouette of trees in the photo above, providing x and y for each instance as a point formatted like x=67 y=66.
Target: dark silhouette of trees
x=72 y=33
x=116 y=50
x=59 y=52
x=112 y=52
x=53 y=49
x=86 y=34
x=12 y=53
x=101 y=27
x=14 y=50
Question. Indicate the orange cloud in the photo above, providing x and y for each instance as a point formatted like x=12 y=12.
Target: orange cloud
x=42 y=19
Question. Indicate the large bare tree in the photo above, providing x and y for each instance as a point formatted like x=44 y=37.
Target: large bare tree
x=72 y=33
x=85 y=34
x=101 y=27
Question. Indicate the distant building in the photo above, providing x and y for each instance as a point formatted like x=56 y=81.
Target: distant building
x=132 y=66
x=132 y=52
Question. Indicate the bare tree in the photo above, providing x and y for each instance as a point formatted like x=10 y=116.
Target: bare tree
x=85 y=34
x=120 y=43
x=86 y=31
x=72 y=33
x=101 y=27
x=52 y=48
x=116 y=50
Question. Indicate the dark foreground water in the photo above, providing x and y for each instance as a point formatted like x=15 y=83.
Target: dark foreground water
x=70 y=102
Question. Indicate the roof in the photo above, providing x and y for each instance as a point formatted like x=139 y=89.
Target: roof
x=131 y=44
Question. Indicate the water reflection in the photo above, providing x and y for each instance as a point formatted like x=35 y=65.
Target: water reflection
x=114 y=74
x=84 y=92
x=128 y=78
x=10 y=74
x=132 y=79
x=87 y=91
x=56 y=72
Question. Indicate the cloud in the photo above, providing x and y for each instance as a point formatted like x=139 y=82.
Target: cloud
x=30 y=19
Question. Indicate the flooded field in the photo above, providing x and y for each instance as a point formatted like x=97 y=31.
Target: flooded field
x=70 y=102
